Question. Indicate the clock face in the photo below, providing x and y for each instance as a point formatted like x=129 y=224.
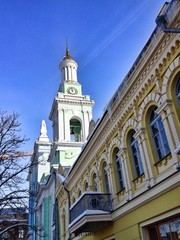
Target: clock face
x=72 y=90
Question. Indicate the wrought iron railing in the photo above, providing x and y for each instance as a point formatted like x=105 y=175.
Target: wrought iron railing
x=91 y=201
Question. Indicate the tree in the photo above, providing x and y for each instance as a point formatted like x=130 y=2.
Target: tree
x=13 y=190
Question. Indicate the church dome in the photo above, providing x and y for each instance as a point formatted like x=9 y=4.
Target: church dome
x=68 y=67
x=68 y=56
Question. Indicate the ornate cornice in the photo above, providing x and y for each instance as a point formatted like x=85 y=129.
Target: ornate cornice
x=124 y=107
x=152 y=62
x=75 y=102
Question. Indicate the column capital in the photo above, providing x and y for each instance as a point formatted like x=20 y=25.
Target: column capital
x=122 y=152
x=60 y=109
x=164 y=106
x=165 y=109
x=140 y=134
x=109 y=168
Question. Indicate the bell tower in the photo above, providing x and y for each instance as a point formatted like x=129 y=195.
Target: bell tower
x=71 y=114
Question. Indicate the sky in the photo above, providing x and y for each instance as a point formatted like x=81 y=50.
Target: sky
x=104 y=37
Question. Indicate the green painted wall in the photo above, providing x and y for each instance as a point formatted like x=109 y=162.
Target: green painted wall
x=46 y=218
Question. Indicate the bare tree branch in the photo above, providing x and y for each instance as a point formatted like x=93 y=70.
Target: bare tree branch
x=13 y=170
x=14 y=190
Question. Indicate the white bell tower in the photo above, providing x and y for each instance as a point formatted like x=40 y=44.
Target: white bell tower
x=71 y=114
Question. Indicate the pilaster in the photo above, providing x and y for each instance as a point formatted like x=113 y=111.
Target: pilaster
x=171 y=129
x=60 y=134
x=145 y=156
x=127 y=179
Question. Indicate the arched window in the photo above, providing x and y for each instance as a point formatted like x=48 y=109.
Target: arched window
x=64 y=224
x=137 y=162
x=79 y=193
x=56 y=218
x=94 y=183
x=159 y=136
x=75 y=130
x=73 y=200
x=119 y=170
x=86 y=186
x=178 y=91
x=105 y=178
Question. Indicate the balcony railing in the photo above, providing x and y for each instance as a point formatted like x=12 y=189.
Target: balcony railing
x=93 y=202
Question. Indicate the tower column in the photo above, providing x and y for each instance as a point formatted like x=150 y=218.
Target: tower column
x=65 y=73
x=66 y=126
x=71 y=114
x=68 y=68
x=60 y=134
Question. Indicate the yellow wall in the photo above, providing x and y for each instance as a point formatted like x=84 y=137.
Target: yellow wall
x=152 y=84
x=128 y=226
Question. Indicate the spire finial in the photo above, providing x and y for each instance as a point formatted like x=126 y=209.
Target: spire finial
x=67 y=49
x=66 y=43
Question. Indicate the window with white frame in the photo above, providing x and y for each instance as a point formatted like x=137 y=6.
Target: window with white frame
x=159 y=136
x=137 y=162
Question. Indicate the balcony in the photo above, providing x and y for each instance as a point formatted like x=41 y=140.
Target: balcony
x=90 y=213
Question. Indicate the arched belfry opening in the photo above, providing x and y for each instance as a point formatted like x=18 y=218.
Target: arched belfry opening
x=75 y=130
x=70 y=114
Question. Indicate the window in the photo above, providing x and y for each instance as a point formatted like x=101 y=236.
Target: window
x=178 y=91
x=166 y=230
x=79 y=193
x=73 y=200
x=56 y=219
x=94 y=183
x=119 y=170
x=21 y=233
x=159 y=136
x=138 y=166
x=86 y=186
x=75 y=130
x=106 y=181
x=64 y=224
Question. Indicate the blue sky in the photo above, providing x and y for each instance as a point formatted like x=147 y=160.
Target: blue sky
x=104 y=37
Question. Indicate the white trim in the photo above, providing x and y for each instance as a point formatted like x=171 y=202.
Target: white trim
x=89 y=216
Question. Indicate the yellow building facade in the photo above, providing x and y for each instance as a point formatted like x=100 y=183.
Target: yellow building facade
x=125 y=183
